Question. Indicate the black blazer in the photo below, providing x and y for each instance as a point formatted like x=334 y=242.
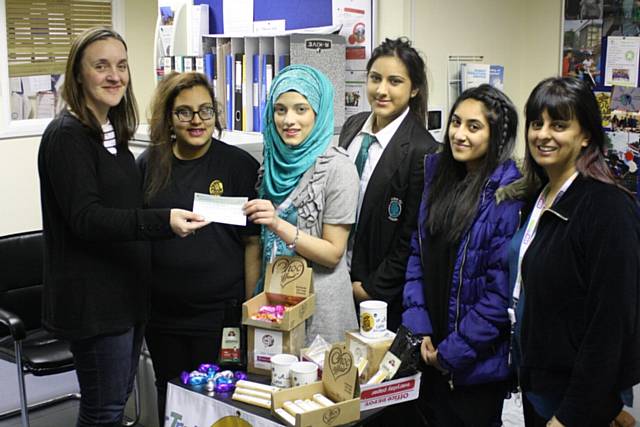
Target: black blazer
x=389 y=211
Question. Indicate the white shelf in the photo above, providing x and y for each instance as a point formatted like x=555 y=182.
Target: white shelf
x=248 y=141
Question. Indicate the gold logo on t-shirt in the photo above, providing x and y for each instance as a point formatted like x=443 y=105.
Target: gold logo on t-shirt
x=216 y=188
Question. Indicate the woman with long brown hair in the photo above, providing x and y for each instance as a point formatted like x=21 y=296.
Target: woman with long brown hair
x=199 y=283
x=96 y=267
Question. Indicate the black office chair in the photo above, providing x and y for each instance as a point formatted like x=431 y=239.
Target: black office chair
x=33 y=350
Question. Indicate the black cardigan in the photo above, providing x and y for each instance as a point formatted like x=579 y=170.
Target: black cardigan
x=96 y=270
x=581 y=321
x=382 y=241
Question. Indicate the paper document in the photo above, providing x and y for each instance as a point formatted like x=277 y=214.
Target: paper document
x=227 y=210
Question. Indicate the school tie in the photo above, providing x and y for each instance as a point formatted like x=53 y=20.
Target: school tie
x=361 y=158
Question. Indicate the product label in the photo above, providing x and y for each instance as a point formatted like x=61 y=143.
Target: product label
x=267 y=343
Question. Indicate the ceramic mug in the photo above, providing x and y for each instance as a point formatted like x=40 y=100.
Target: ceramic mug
x=303 y=373
x=373 y=318
x=280 y=364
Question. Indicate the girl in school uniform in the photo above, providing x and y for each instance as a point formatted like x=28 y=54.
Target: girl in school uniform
x=388 y=145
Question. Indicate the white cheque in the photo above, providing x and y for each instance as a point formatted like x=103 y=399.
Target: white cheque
x=227 y=210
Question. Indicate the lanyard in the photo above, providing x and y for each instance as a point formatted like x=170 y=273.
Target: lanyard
x=532 y=226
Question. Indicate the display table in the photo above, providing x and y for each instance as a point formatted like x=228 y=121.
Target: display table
x=189 y=406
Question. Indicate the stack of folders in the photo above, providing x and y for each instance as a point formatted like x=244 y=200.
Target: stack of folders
x=229 y=76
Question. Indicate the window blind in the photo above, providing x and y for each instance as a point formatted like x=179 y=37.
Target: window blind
x=40 y=32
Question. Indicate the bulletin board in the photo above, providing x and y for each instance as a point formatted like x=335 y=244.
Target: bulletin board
x=601 y=45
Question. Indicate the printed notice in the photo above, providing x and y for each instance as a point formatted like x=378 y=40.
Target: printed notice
x=621 y=66
x=226 y=210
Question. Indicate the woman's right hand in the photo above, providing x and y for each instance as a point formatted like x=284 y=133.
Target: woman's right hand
x=426 y=348
x=185 y=222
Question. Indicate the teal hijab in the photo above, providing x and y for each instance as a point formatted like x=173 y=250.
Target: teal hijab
x=284 y=165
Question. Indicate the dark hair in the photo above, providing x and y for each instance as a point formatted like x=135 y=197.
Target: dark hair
x=124 y=116
x=161 y=126
x=453 y=200
x=401 y=48
x=568 y=98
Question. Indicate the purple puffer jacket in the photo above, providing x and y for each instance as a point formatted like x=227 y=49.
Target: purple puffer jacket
x=476 y=349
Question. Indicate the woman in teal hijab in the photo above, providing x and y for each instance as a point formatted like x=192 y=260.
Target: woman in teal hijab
x=308 y=194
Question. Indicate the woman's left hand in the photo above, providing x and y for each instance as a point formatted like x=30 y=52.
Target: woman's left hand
x=260 y=211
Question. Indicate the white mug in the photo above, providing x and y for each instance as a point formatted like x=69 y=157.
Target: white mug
x=373 y=318
x=303 y=373
x=280 y=364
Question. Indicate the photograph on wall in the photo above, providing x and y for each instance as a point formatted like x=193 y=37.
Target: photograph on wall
x=355 y=96
x=621 y=18
x=581 y=49
x=625 y=121
x=625 y=99
x=604 y=102
x=623 y=155
x=583 y=9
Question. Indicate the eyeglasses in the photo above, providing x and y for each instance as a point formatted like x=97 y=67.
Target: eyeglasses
x=186 y=115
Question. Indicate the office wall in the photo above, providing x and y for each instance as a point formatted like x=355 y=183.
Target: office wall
x=520 y=34
x=19 y=186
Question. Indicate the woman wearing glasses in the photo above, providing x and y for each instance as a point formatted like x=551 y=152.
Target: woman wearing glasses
x=199 y=282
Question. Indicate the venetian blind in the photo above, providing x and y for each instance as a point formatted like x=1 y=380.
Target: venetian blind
x=40 y=32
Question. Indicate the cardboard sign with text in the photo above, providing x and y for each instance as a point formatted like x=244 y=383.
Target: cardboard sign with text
x=389 y=392
x=288 y=280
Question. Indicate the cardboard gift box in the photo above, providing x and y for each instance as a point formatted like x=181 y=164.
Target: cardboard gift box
x=339 y=384
x=288 y=280
x=371 y=349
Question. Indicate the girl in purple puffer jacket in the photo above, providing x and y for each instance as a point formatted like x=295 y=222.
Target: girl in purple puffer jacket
x=456 y=290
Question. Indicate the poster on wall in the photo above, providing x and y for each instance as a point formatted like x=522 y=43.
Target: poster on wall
x=355 y=18
x=355 y=96
x=604 y=102
x=621 y=64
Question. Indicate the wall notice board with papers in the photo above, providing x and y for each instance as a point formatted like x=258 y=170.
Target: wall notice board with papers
x=601 y=45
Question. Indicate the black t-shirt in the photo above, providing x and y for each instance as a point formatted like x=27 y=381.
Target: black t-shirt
x=196 y=277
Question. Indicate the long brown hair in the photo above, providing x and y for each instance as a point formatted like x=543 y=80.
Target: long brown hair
x=455 y=194
x=124 y=116
x=161 y=128
x=401 y=48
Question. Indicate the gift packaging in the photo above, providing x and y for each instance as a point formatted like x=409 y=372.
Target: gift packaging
x=332 y=401
x=288 y=282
